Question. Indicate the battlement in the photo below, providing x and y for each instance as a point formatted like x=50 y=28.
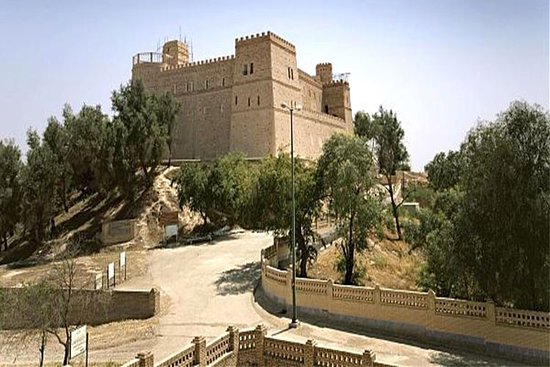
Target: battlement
x=200 y=62
x=267 y=35
x=335 y=83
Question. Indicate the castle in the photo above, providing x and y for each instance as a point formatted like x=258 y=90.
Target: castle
x=233 y=103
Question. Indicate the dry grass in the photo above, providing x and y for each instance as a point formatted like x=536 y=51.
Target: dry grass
x=388 y=264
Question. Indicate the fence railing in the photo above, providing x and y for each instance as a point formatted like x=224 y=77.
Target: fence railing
x=421 y=314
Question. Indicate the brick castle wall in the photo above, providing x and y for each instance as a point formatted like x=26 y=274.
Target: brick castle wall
x=233 y=103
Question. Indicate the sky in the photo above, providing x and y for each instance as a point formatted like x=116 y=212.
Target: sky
x=441 y=65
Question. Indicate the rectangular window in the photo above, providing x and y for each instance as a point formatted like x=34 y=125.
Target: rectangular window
x=236 y=100
x=248 y=101
x=223 y=82
x=245 y=69
x=258 y=100
x=206 y=84
x=251 y=68
x=292 y=74
x=288 y=72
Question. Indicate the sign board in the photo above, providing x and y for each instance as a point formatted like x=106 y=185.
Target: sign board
x=170 y=230
x=122 y=259
x=78 y=341
x=98 y=281
x=111 y=271
x=168 y=218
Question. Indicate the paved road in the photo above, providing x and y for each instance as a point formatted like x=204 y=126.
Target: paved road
x=206 y=287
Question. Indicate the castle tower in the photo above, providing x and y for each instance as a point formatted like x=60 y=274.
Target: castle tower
x=323 y=72
x=175 y=53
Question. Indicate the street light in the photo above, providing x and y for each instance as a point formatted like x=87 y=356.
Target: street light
x=294 y=322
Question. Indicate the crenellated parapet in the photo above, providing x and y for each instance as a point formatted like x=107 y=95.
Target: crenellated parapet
x=259 y=37
x=200 y=62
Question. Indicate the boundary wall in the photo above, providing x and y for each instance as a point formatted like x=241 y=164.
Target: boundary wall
x=91 y=307
x=481 y=326
x=254 y=348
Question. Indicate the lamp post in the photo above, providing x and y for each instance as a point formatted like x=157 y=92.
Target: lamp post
x=294 y=322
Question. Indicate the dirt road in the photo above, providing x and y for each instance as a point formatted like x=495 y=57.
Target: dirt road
x=206 y=287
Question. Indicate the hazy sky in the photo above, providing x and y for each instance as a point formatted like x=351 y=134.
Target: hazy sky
x=440 y=64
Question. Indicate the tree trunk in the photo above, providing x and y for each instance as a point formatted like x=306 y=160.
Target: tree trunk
x=348 y=278
x=42 y=348
x=304 y=254
x=394 y=209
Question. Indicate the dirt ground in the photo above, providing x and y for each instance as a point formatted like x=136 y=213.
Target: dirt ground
x=387 y=264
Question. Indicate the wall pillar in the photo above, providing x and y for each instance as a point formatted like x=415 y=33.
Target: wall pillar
x=491 y=312
x=431 y=301
x=288 y=293
x=146 y=359
x=233 y=339
x=200 y=351
x=376 y=295
x=328 y=302
x=260 y=333
x=368 y=358
x=309 y=353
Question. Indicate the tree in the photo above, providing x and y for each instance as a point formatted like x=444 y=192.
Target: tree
x=346 y=174
x=168 y=110
x=490 y=232
x=390 y=151
x=271 y=203
x=57 y=139
x=193 y=189
x=142 y=125
x=444 y=170
x=217 y=190
x=10 y=190
x=86 y=131
x=38 y=184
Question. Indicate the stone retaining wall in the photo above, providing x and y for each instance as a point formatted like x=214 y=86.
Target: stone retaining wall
x=91 y=307
x=480 y=326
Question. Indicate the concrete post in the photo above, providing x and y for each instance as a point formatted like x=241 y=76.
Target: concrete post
x=200 y=351
x=146 y=359
x=260 y=333
x=368 y=358
x=491 y=311
x=376 y=294
x=329 y=295
x=233 y=338
x=431 y=301
x=309 y=353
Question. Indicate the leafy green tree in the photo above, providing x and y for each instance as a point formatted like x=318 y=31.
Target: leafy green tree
x=271 y=204
x=87 y=131
x=391 y=155
x=194 y=190
x=142 y=125
x=57 y=139
x=168 y=110
x=444 y=170
x=488 y=235
x=346 y=173
x=10 y=190
x=38 y=183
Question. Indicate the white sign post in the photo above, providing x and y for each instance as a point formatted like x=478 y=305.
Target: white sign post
x=170 y=231
x=79 y=342
x=123 y=263
x=98 y=281
x=111 y=274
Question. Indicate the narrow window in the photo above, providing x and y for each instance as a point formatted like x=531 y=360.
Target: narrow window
x=223 y=82
x=292 y=74
x=326 y=108
x=251 y=68
x=245 y=69
x=248 y=101
x=288 y=72
x=206 y=84
x=258 y=100
x=236 y=100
